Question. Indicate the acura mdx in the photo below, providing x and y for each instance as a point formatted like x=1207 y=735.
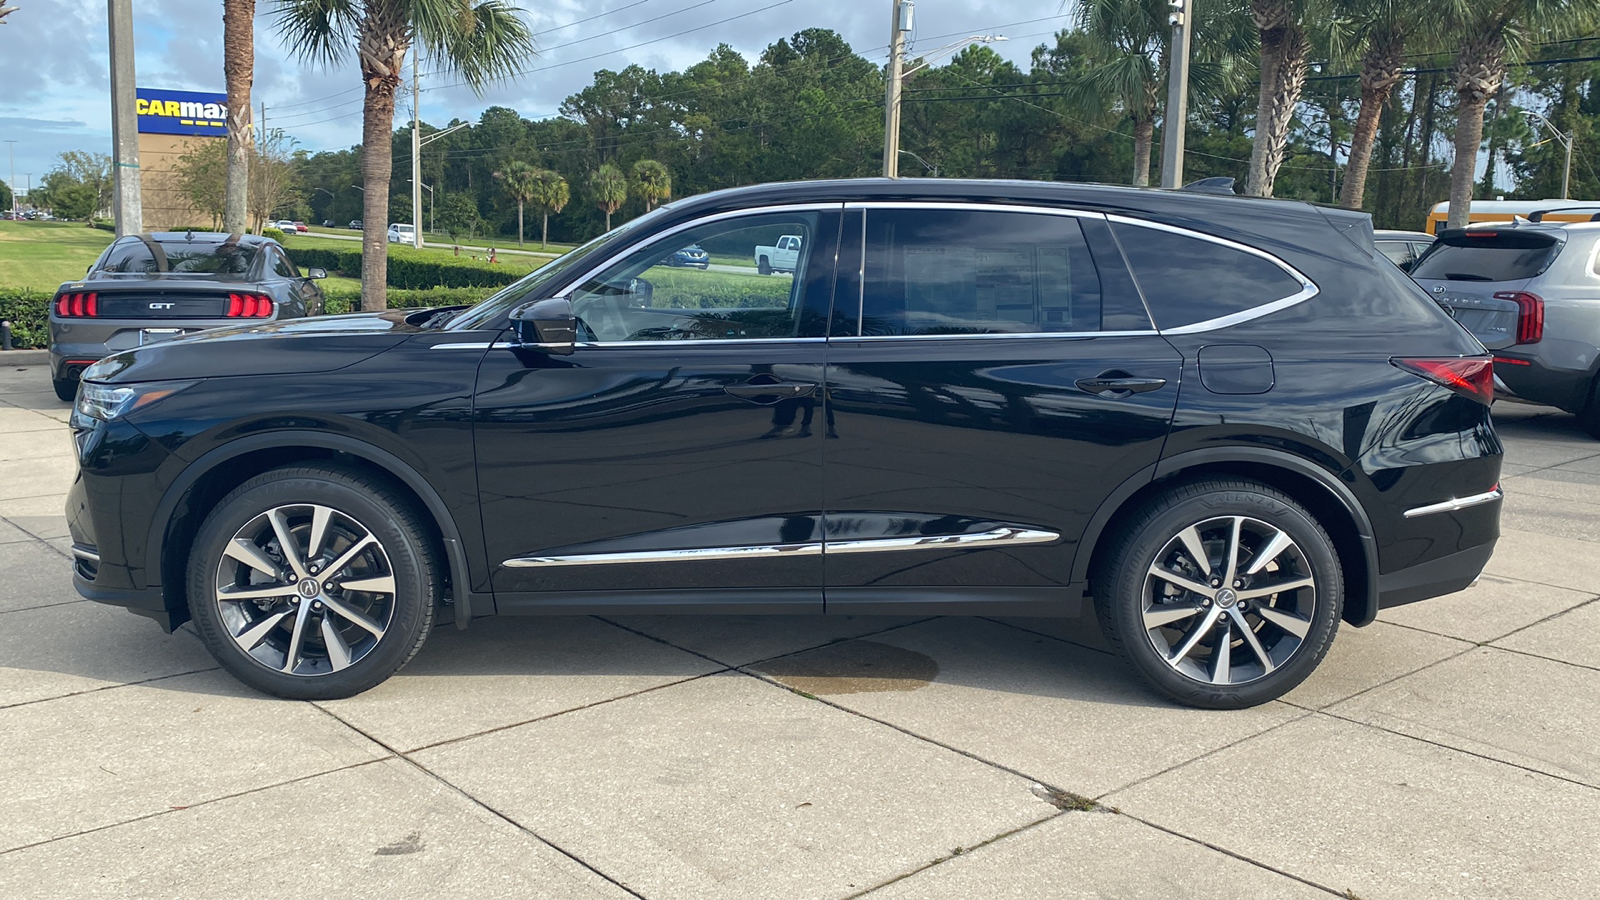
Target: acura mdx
x=1224 y=425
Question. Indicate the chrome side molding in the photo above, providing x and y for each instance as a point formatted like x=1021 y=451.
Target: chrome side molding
x=997 y=536
x=1456 y=503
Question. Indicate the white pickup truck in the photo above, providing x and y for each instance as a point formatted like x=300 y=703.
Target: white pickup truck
x=783 y=256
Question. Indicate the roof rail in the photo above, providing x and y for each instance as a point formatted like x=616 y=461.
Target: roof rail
x=1538 y=215
x=1220 y=184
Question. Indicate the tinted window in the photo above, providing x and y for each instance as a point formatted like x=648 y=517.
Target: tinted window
x=283 y=267
x=959 y=272
x=1187 y=280
x=1482 y=255
x=195 y=257
x=1398 y=252
x=659 y=293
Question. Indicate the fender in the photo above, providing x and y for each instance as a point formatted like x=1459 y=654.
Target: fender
x=1363 y=613
x=466 y=600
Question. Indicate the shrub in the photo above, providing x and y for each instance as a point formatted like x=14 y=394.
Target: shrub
x=273 y=233
x=104 y=225
x=29 y=315
x=343 y=301
x=414 y=270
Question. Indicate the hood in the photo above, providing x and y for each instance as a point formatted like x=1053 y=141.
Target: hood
x=290 y=347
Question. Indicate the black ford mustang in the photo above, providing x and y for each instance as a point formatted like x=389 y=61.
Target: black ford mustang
x=1223 y=424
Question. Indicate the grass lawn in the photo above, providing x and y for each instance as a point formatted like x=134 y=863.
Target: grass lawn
x=42 y=255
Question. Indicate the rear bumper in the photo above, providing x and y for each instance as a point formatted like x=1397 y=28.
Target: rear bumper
x=1435 y=578
x=1530 y=379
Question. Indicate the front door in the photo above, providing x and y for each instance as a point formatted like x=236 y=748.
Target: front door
x=676 y=456
x=992 y=377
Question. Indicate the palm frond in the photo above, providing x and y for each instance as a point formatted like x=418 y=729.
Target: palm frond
x=321 y=32
x=481 y=42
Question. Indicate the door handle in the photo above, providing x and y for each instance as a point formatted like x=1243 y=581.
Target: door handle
x=768 y=393
x=1117 y=385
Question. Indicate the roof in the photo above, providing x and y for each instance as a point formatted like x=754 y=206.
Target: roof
x=207 y=237
x=1400 y=234
x=1517 y=207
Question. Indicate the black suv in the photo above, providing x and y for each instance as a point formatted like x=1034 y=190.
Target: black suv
x=1224 y=423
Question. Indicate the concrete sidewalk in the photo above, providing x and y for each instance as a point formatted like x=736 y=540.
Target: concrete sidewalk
x=1449 y=750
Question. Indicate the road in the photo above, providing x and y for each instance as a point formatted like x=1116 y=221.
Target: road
x=1447 y=750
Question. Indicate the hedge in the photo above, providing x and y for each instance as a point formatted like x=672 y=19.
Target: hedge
x=29 y=311
x=413 y=270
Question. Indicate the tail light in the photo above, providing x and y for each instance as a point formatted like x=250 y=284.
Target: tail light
x=1471 y=376
x=249 y=306
x=1530 y=315
x=77 y=306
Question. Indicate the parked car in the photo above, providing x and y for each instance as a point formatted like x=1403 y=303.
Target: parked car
x=285 y=226
x=988 y=373
x=355 y=224
x=691 y=257
x=1530 y=291
x=300 y=227
x=402 y=234
x=1403 y=247
x=780 y=257
x=144 y=289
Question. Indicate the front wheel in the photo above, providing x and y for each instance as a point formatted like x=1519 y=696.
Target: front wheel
x=1221 y=594
x=313 y=583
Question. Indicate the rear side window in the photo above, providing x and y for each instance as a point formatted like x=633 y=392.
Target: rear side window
x=1481 y=255
x=1188 y=280
x=952 y=272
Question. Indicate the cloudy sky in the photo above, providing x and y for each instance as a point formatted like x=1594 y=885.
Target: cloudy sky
x=53 y=58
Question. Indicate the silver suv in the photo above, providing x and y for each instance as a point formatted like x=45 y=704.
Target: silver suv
x=1530 y=291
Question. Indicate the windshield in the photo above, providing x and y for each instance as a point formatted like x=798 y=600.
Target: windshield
x=1488 y=256
x=487 y=310
x=191 y=257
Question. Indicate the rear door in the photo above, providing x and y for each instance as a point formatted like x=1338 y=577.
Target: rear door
x=992 y=377
x=1478 y=274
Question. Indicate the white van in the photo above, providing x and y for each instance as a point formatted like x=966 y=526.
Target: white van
x=402 y=234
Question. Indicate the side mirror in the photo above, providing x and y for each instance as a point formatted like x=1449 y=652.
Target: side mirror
x=642 y=293
x=316 y=272
x=547 y=325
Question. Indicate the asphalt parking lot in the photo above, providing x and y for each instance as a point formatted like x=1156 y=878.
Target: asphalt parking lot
x=1449 y=750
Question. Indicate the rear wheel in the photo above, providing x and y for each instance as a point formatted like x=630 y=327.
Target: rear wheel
x=1589 y=418
x=764 y=266
x=1221 y=594
x=313 y=583
x=66 y=388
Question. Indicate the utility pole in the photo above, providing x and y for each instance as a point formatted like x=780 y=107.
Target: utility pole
x=416 y=147
x=1176 y=120
x=1567 y=140
x=12 y=183
x=899 y=23
x=124 y=120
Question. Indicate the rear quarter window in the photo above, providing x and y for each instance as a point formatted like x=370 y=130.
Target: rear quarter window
x=1187 y=279
x=1488 y=256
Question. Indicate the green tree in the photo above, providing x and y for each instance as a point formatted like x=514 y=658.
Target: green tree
x=5 y=196
x=238 y=74
x=550 y=194
x=652 y=183
x=1285 y=46
x=478 y=40
x=609 y=188
x=458 y=216
x=518 y=177
x=201 y=176
x=1491 y=34
x=1383 y=28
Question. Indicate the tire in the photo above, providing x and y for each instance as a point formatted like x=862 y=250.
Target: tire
x=1167 y=627
x=375 y=629
x=1589 y=418
x=763 y=266
x=66 y=388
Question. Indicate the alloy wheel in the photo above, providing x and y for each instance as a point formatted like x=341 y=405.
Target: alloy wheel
x=1228 y=600
x=305 y=589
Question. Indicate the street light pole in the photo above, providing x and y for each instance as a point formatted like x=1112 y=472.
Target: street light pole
x=1176 y=119
x=900 y=12
x=124 y=119
x=13 y=182
x=416 y=147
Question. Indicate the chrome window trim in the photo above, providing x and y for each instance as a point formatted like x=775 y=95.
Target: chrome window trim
x=1308 y=288
x=472 y=345
x=973 y=205
x=1007 y=535
x=1455 y=504
x=1034 y=335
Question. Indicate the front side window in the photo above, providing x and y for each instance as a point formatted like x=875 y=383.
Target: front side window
x=732 y=279
x=962 y=272
x=1187 y=279
x=283 y=267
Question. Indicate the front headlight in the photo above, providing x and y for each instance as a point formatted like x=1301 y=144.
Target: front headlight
x=108 y=401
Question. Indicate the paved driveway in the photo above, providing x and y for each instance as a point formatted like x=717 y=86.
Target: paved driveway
x=1450 y=750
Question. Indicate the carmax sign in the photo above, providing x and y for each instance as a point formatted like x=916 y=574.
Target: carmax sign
x=182 y=112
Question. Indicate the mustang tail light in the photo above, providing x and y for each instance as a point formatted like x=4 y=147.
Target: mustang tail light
x=1471 y=376
x=78 y=306
x=1530 y=315
x=249 y=306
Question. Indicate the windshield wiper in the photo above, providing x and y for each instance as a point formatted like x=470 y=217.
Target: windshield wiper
x=438 y=318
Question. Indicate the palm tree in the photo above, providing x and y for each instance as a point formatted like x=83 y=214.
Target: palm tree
x=1284 y=47
x=238 y=71
x=518 y=177
x=610 y=189
x=1490 y=34
x=1382 y=30
x=1129 y=45
x=652 y=183
x=478 y=40
x=550 y=194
